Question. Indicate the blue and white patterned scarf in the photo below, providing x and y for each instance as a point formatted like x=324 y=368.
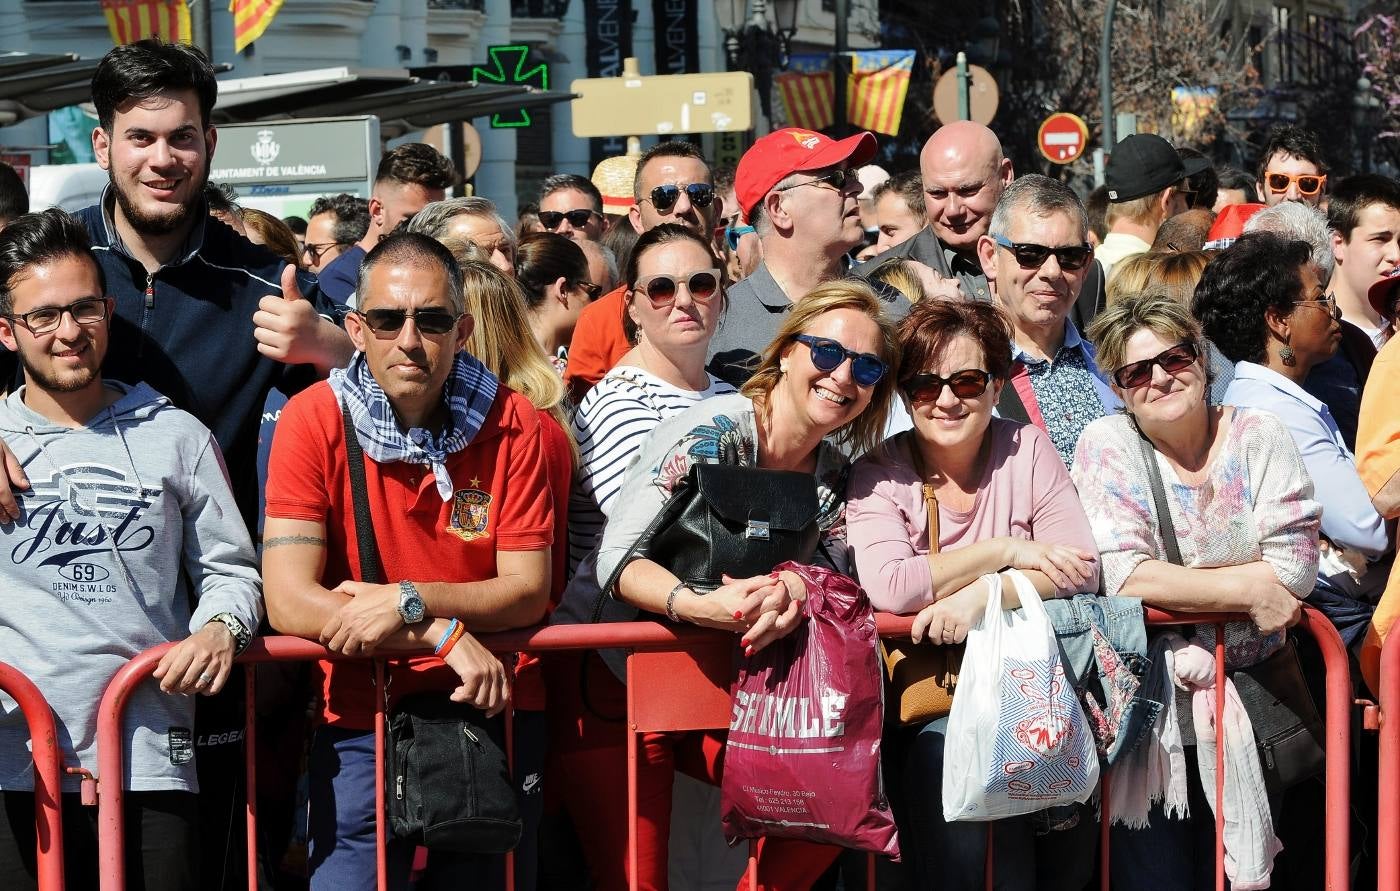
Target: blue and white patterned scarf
x=468 y=394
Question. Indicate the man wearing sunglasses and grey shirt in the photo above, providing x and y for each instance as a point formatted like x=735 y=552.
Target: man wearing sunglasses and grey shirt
x=1036 y=256
x=798 y=189
x=1146 y=181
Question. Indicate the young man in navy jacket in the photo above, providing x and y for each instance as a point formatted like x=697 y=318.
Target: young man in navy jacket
x=202 y=315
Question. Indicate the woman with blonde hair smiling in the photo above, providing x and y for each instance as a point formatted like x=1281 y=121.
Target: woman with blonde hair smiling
x=826 y=378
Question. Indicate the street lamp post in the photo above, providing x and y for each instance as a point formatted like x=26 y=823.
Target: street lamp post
x=1106 y=73
x=1365 y=108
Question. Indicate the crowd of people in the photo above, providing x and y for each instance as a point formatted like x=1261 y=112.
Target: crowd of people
x=1172 y=392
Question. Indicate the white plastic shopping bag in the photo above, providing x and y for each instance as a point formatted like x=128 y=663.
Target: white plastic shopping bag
x=1017 y=738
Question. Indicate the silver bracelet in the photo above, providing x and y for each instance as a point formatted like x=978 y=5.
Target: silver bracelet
x=671 y=602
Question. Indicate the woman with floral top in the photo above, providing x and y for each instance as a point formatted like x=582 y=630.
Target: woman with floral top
x=824 y=382
x=1245 y=519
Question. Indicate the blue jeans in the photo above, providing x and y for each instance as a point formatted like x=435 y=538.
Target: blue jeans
x=1120 y=622
x=1026 y=854
x=341 y=825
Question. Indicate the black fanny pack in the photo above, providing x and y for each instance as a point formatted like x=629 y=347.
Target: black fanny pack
x=449 y=784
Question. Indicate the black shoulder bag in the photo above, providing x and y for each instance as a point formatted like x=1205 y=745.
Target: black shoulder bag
x=448 y=783
x=1287 y=727
x=728 y=519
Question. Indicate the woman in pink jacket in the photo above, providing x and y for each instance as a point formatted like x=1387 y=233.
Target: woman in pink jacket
x=1003 y=500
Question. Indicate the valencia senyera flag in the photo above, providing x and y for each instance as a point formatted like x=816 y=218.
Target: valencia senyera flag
x=132 y=20
x=250 y=20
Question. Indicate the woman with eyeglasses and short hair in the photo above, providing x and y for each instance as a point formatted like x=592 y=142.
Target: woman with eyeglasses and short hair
x=1002 y=499
x=1241 y=503
x=823 y=383
x=553 y=272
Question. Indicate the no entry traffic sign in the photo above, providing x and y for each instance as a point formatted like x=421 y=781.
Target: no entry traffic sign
x=1063 y=137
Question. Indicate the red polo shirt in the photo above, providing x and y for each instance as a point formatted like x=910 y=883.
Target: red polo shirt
x=501 y=502
x=598 y=342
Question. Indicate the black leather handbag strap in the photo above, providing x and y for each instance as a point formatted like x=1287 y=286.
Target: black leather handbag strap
x=1159 y=499
x=371 y=570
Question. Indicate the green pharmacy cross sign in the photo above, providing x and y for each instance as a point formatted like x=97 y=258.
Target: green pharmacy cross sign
x=508 y=66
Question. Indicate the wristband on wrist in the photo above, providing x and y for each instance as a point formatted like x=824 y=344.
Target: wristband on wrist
x=671 y=602
x=455 y=630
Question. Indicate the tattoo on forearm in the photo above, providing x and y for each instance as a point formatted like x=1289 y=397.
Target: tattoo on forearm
x=280 y=540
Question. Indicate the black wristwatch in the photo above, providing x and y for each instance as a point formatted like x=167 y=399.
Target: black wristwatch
x=242 y=637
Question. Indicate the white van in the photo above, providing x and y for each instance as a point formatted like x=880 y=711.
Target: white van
x=69 y=186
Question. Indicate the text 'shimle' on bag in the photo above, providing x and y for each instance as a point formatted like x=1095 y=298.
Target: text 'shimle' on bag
x=803 y=757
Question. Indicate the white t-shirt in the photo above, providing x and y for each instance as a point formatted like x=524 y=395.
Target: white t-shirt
x=610 y=426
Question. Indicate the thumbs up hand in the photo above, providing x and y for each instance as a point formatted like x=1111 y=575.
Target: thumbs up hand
x=288 y=328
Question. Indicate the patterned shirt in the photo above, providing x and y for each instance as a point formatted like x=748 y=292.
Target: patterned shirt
x=1255 y=504
x=1069 y=390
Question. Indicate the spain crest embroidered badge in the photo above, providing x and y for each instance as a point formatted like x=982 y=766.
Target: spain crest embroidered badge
x=471 y=514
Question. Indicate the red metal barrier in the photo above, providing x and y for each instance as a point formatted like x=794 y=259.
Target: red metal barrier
x=1388 y=778
x=48 y=772
x=650 y=636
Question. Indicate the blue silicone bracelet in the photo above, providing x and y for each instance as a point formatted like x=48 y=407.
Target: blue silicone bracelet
x=451 y=627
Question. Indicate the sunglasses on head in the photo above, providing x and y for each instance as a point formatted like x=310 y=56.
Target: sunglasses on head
x=388 y=322
x=664 y=197
x=1138 y=374
x=1307 y=183
x=661 y=290
x=1033 y=256
x=734 y=233
x=828 y=354
x=551 y=219
x=966 y=384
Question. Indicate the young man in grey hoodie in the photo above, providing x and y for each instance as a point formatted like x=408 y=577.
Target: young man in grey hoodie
x=128 y=537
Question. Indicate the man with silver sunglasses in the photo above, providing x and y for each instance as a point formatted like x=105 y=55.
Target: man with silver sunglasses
x=799 y=190
x=673 y=184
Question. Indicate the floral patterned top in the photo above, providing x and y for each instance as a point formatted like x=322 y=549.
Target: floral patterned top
x=1256 y=504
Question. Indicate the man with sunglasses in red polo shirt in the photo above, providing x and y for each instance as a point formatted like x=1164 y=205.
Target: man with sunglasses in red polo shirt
x=458 y=495
x=1291 y=167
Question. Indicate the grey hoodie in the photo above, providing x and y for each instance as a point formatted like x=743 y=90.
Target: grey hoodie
x=128 y=538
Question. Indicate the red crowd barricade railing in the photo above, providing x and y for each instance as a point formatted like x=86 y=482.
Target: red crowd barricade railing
x=651 y=636
x=1388 y=777
x=48 y=774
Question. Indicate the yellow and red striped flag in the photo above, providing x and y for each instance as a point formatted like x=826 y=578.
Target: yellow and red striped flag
x=250 y=20
x=878 y=86
x=809 y=98
x=133 y=20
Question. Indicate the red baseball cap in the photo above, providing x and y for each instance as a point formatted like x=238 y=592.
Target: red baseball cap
x=788 y=151
x=1382 y=293
x=1229 y=224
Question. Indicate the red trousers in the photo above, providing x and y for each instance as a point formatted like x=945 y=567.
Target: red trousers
x=588 y=773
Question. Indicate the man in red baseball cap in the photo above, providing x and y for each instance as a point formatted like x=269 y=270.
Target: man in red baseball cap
x=799 y=190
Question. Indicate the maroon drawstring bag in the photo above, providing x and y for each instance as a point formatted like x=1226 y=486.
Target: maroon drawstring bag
x=803 y=756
